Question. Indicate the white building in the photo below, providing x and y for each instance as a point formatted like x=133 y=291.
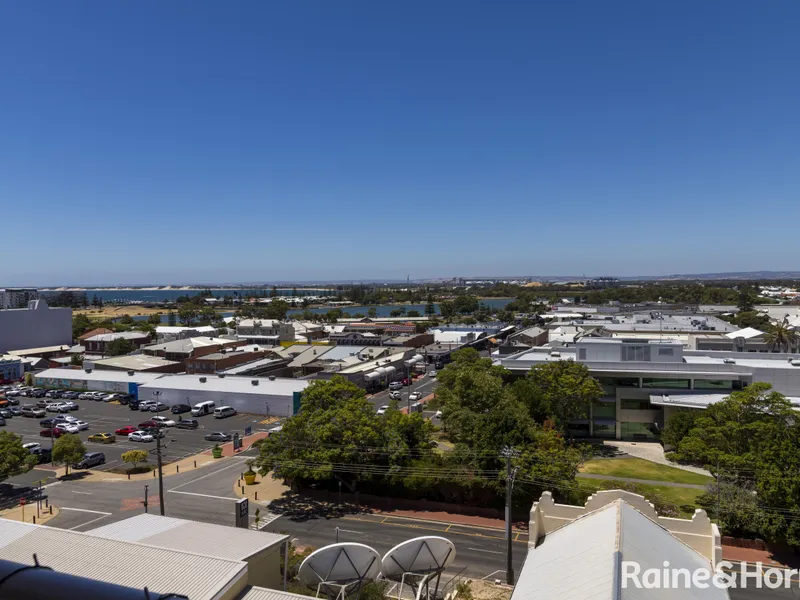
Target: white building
x=124 y=382
x=256 y=395
x=17 y=297
x=36 y=326
x=265 y=331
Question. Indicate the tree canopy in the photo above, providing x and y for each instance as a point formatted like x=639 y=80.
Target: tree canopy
x=118 y=347
x=13 y=457
x=68 y=450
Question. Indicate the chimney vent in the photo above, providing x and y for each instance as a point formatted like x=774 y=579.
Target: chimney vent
x=202 y=380
x=254 y=382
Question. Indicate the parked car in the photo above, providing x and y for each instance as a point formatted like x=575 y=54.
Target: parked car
x=382 y=410
x=2 y=421
x=406 y=381
x=179 y=409
x=55 y=433
x=51 y=394
x=163 y=421
x=102 y=438
x=276 y=429
x=414 y=396
x=57 y=407
x=72 y=395
x=432 y=374
x=224 y=412
x=6 y=413
x=85 y=396
x=68 y=427
x=16 y=411
x=70 y=405
x=147 y=424
x=133 y=405
x=158 y=407
x=31 y=446
x=187 y=424
x=38 y=393
x=145 y=404
x=154 y=431
x=218 y=436
x=91 y=459
x=48 y=423
x=32 y=411
x=81 y=425
x=127 y=430
x=43 y=403
x=203 y=408
x=43 y=455
x=13 y=401
x=140 y=436
x=395 y=396
x=395 y=385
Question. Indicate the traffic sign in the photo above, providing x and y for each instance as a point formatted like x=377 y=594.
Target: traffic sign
x=248 y=430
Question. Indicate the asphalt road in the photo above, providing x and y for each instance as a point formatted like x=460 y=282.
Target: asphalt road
x=103 y=417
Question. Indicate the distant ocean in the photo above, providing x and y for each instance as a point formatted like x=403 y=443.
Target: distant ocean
x=122 y=296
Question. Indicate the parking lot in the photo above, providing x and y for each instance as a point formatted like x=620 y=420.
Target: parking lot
x=103 y=417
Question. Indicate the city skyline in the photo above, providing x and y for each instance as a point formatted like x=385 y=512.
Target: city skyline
x=152 y=143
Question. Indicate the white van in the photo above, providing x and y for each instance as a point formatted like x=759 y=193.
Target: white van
x=224 y=411
x=203 y=408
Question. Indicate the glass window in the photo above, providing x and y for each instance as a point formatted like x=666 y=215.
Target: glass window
x=610 y=384
x=578 y=429
x=666 y=352
x=629 y=404
x=636 y=353
x=681 y=384
x=607 y=410
x=713 y=384
x=640 y=431
x=605 y=429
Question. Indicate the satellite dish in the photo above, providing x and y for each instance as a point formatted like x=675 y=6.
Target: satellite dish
x=340 y=568
x=418 y=562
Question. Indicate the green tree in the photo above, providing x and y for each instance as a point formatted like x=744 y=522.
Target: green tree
x=414 y=313
x=188 y=315
x=14 y=458
x=678 y=425
x=80 y=325
x=746 y=300
x=273 y=293
x=172 y=319
x=430 y=307
x=118 y=347
x=372 y=312
x=752 y=319
x=782 y=337
x=465 y=304
x=277 y=309
x=126 y=320
x=447 y=309
x=154 y=319
x=396 y=313
x=76 y=360
x=134 y=457
x=561 y=390
x=68 y=450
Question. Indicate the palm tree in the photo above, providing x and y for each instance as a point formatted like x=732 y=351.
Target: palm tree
x=782 y=337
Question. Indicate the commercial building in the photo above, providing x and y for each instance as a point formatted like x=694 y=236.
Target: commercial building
x=36 y=326
x=88 y=379
x=637 y=375
x=358 y=338
x=255 y=395
x=97 y=344
x=135 y=362
x=578 y=552
x=411 y=340
x=217 y=362
x=183 y=349
x=168 y=333
x=11 y=368
x=17 y=297
x=265 y=331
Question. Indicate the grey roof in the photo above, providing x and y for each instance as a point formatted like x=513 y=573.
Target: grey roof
x=101 y=375
x=108 y=337
x=231 y=543
x=135 y=362
x=580 y=561
x=259 y=593
x=188 y=344
x=123 y=563
x=255 y=364
x=231 y=385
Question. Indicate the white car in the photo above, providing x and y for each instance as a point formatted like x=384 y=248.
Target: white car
x=140 y=436
x=432 y=374
x=81 y=425
x=31 y=446
x=68 y=427
x=415 y=396
x=438 y=414
x=164 y=421
x=85 y=396
x=57 y=407
x=275 y=429
x=382 y=410
x=145 y=405
x=394 y=396
x=70 y=405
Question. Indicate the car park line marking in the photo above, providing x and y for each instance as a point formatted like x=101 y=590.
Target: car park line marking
x=84 y=493
x=238 y=462
x=88 y=522
x=86 y=510
x=489 y=551
x=203 y=495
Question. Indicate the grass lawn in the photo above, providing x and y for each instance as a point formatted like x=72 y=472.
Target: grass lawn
x=638 y=468
x=685 y=499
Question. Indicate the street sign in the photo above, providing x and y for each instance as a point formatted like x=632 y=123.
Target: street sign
x=248 y=430
x=237 y=442
x=22 y=501
x=243 y=513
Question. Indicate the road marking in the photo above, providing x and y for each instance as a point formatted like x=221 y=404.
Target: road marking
x=448 y=528
x=238 y=462
x=493 y=573
x=83 y=493
x=203 y=495
x=86 y=510
x=409 y=526
x=489 y=551
x=349 y=531
x=87 y=523
x=384 y=520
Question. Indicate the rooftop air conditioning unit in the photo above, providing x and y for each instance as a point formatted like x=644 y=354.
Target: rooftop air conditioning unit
x=130 y=373
x=202 y=380
x=254 y=382
x=88 y=370
x=796 y=362
x=555 y=353
x=272 y=377
x=729 y=361
x=221 y=375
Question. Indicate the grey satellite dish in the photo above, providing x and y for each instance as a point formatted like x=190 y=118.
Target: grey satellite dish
x=340 y=569
x=418 y=562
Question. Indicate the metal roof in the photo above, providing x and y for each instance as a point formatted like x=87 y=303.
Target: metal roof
x=231 y=543
x=109 y=337
x=101 y=375
x=27 y=351
x=239 y=385
x=580 y=560
x=746 y=333
x=123 y=563
x=259 y=593
x=189 y=344
x=135 y=362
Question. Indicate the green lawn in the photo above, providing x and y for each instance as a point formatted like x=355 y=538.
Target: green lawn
x=638 y=468
x=684 y=499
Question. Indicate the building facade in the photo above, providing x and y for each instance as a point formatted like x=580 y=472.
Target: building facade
x=11 y=368
x=17 y=297
x=36 y=326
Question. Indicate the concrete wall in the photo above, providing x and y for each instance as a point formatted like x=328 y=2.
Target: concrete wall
x=699 y=532
x=257 y=404
x=264 y=569
x=44 y=326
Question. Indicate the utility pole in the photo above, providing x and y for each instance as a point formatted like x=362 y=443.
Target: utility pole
x=508 y=453
x=145 y=497
x=718 y=492
x=157 y=394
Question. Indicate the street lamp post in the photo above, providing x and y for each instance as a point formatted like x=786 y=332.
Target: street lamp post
x=157 y=394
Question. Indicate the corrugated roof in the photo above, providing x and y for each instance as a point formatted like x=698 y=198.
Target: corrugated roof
x=579 y=561
x=123 y=563
x=231 y=543
x=101 y=375
x=27 y=351
x=746 y=333
x=259 y=593
x=241 y=385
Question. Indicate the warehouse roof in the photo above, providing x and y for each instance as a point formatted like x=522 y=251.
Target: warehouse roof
x=230 y=385
x=189 y=344
x=101 y=375
x=231 y=543
x=173 y=329
x=259 y=593
x=123 y=563
x=746 y=333
x=135 y=362
x=110 y=337
x=31 y=351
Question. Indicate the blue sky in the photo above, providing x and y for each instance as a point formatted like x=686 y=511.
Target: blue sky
x=192 y=141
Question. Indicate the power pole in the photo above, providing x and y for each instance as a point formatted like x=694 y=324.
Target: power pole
x=508 y=453
x=157 y=394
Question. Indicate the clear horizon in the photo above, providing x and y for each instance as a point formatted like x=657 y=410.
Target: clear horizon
x=325 y=141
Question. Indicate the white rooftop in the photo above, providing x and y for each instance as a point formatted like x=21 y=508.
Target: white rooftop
x=746 y=333
x=238 y=385
x=167 y=329
x=581 y=561
x=110 y=337
x=232 y=543
x=101 y=375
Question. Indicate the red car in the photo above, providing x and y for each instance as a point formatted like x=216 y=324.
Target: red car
x=149 y=425
x=56 y=433
x=406 y=381
x=127 y=430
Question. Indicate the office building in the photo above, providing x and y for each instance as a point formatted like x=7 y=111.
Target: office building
x=17 y=297
x=35 y=326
